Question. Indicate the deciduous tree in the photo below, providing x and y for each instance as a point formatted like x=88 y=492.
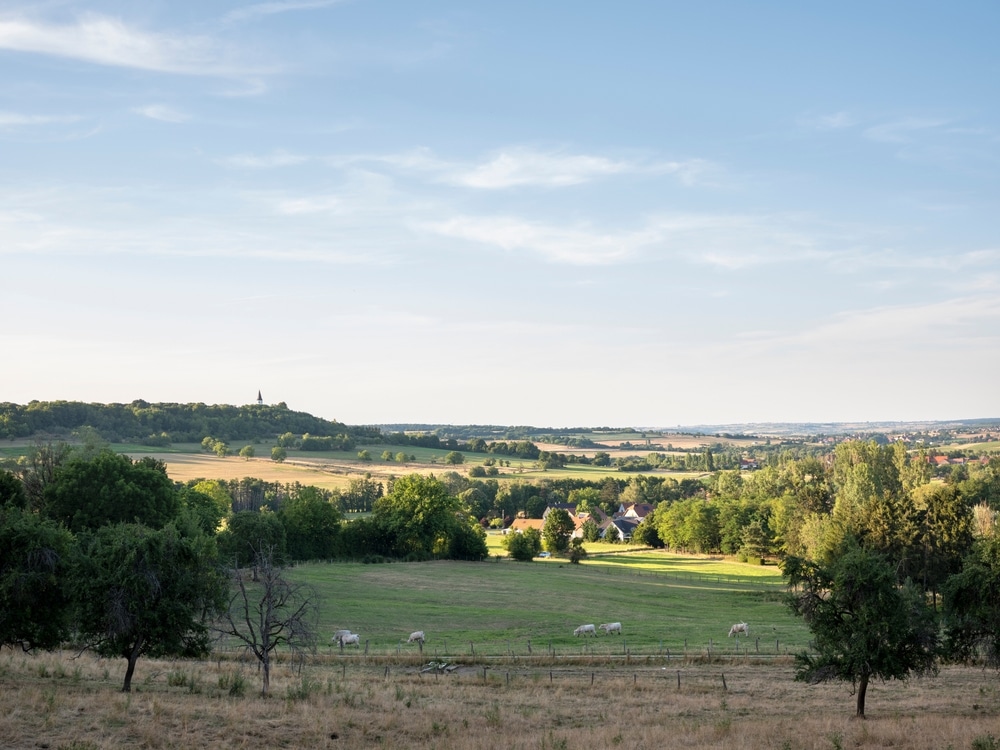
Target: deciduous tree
x=972 y=606
x=557 y=530
x=35 y=559
x=864 y=625
x=109 y=489
x=142 y=591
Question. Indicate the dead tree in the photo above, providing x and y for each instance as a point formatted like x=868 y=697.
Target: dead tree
x=270 y=613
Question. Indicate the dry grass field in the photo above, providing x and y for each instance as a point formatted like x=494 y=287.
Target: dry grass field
x=183 y=467
x=67 y=702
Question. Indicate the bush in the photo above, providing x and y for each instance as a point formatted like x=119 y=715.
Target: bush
x=233 y=683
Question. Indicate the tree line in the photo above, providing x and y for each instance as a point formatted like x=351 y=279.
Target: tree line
x=104 y=552
x=162 y=423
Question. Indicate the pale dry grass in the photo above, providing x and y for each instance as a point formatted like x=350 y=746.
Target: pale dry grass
x=57 y=701
x=184 y=467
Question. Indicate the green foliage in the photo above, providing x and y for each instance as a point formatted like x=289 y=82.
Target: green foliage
x=364 y=455
x=523 y=545
x=141 y=591
x=111 y=488
x=645 y=533
x=234 y=683
x=247 y=452
x=312 y=524
x=864 y=625
x=278 y=454
x=183 y=423
x=12 y=492
x=454 y=458
x=591 y=531
x=35 y=559
x=360 y=495
x=576 y=551
x=204 y=509
x=246 y=531
x=557 y=530
x=972 y=606
x=985 y=742
x=418 y=516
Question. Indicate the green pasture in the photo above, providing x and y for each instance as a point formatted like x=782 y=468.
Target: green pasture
x=499 y=607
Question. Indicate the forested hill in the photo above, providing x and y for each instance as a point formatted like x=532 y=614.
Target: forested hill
x=143 y=422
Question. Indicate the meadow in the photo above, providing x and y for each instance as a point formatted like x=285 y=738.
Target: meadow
x=500 y=608
x=476 y=684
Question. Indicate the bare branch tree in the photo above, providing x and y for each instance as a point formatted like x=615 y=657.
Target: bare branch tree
x=270 y=612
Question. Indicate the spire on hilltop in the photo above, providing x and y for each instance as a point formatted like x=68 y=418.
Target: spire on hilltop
x=260 y=399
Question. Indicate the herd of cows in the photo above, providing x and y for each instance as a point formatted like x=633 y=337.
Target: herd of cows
x=347 y=638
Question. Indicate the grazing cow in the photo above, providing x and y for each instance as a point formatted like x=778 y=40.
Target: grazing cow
x=611 y=627
x=340 y=634
x=585 y=629
x=416 y=636
x=740 y=627
x=347 y=640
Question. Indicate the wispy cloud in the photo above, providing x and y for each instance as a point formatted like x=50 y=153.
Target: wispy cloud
x=16 y=119
x=162 y=113
x=903 y=130
x=102 y=40
x=725 y=242
x=259 y=10
x=525 y=167
x=277 y=158
x=969 y=314
x=319 y=204
x=830 y=121
x=578 y=245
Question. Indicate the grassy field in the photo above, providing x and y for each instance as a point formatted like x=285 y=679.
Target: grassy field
x=495 y=608
x=641 y=690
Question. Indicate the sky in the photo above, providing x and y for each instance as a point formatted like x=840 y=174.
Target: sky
x=561 y=213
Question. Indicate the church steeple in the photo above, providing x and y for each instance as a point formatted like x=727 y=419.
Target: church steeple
x=260 y=399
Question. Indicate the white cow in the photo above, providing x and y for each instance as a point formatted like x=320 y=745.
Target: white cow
x=347 y=640
x=585 y=629
x=740 y=627
x=416 y=636
x=340 y=634
x=611 y=627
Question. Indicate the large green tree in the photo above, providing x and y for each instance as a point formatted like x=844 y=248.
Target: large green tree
x=246 y=532
x=311 y=523
x=864 y=625
x=419 y=516
x=972 y=606
x=557 y=530
x=146 y=592
x=35 y=559
x=87 y=493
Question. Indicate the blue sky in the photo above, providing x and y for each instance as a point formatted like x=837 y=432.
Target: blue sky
x=548 y=213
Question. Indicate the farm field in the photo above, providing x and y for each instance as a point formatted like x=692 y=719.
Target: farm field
x=335 y=469
x=498 y=608
x=515 y=676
